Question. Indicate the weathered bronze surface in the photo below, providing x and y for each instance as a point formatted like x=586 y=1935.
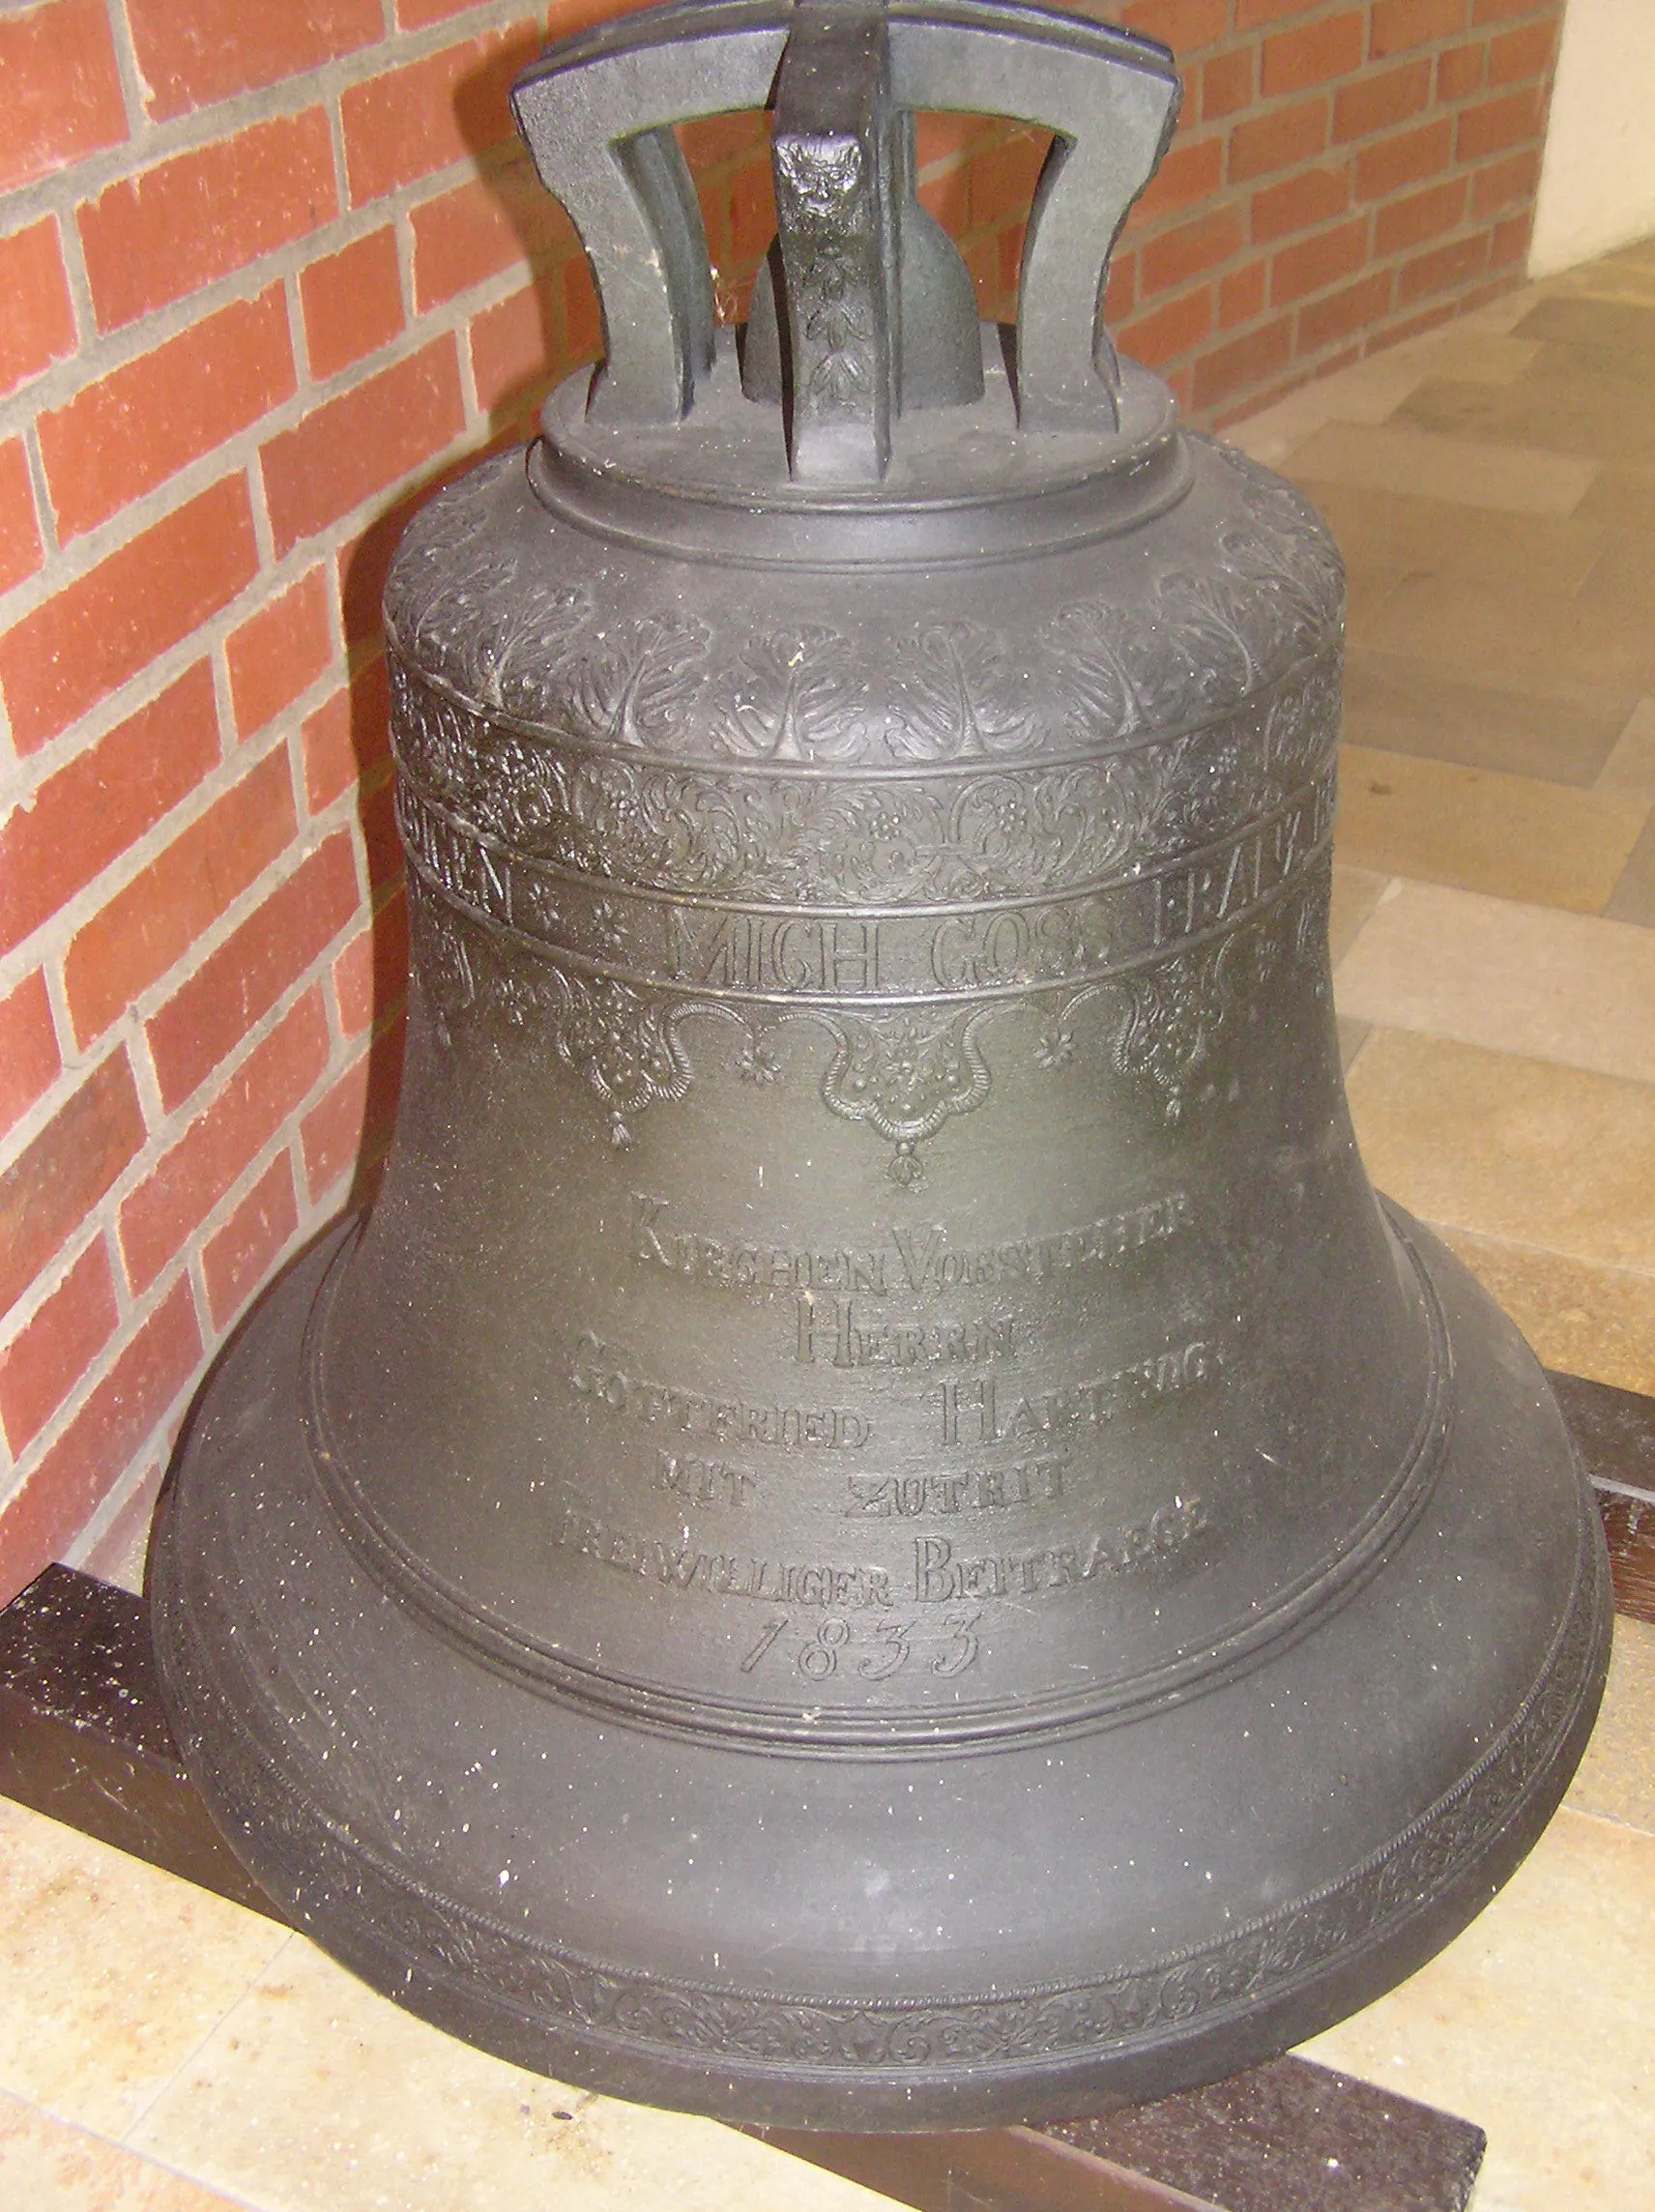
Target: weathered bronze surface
x=876 y=1530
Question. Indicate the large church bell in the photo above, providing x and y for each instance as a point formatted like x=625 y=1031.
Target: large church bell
x=877 y=1528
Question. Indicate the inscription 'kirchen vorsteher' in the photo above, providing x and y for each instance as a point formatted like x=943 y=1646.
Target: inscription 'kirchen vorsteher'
x=910 y=1261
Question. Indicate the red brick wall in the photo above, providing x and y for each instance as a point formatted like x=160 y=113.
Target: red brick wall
x=271 y=271
x=1344 y=174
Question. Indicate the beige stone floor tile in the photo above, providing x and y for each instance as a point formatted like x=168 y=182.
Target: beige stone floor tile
x=1538 y=2023
x=1487 y=633
x=1368 y=590
x=1629 y=765
x=1616 y=336
x=48 y=2167
x=1622 y=581
x=316 y=2095
x=1510 y=835
x=1581 y=1318
x=1352 y=1036
x=1632 y=898
x=1622 y=496
x=1408 y=530
x=1356 y=891
x=112 y=1971
x=1392 y=456
x=1407 y=706
x=1566 y=404
x=1532 y=979
x=1616 y=1778
x=1511 y=1148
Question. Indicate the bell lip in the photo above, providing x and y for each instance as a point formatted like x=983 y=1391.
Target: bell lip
x=961 y=507
x=658 y=2037
x=1240 y=1644
x=449 y=1990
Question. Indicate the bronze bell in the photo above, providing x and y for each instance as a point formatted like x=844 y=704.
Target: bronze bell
x=877 y=1528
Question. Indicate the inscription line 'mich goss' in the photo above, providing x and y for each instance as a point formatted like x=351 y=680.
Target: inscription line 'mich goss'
x=716 y=948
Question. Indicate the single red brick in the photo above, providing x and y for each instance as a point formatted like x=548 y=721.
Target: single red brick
x=514 y=349
x=239 y=1257
x=1442 y=269
x=153 y=922
x=1003 y=178
x=1357 y=306
x=1377 y=98
x=20 y=553
x=63 y=91
x=1311 y=196
x=55 y=1182
x=370 y=975
x=1277 y=140
x=175 y=226
x=1420 y=216
x=352 y=303
x=330 y=765
x=1176 y=255
x=1317 y=262
x=1293 y=60
x=945 y=197
x=1509 y=241
x=1493 y=125
x=102 y=629
x=1184 y=25
x=224 y=1140
x=381 y=847
x=87 y=814
x=943 y=138
x=37 y=327
x=351 y=447
x=346 y=741
x=1398 y=24
x=752 y=216
x=1171 y=329
x=120 y=437
x=1460 y=69
x=351 y=1124
x=1502 y=181
x=126 y=1530
x=1405 y=157
x=278 y=652
x=1241 y=294
x=713 y=138
x=1497 y=10
x=1193 y=170
x=467 y=235
x=1250 y=14
x=55 y=1347
x=235 y=986
x=192 y=51
x=1226 y=83
x=61 y=1493
x=443 y=108
x=28 y=1048
x=1247 y=360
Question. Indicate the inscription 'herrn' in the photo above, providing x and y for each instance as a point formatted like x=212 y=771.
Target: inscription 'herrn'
x=918 y=1262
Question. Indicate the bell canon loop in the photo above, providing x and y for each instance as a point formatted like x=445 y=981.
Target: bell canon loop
x=876 y=1529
